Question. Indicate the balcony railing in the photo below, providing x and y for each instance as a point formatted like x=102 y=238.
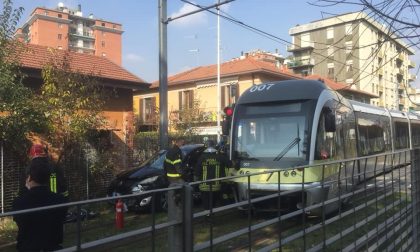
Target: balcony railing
x=301 y=63
x=412 y=77
x=304 y=46
x=411 y=64
x=86 y=34
x=400 y=57
x=81 y=47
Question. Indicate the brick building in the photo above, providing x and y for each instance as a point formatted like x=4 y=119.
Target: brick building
x=67 y=29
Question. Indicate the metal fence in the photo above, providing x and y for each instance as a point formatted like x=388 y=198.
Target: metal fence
x=367 y=204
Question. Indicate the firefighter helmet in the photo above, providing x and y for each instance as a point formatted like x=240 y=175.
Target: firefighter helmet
x=37 y=150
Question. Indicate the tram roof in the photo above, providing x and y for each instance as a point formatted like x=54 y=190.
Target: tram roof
x=284 y=91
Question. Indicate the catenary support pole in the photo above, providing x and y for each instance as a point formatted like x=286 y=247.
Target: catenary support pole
x=218 y=74
x=2 y=178
x=415 y=195
x=163 y=75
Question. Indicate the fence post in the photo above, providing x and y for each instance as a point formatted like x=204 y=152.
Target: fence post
x=415 y=195
x=188 y=218
x=175 y=237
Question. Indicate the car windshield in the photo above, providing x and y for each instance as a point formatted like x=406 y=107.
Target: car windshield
x=157 y=161
x=159 y=158
x=272 y=131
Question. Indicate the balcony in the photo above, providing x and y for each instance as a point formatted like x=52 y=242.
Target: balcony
x=400 y=58
x=305 y=46
x=84 y=34
x=411 y=64
x=400 y=73
x=380 y=71
x=412 y=77
x=301 y=63
x=75 y=46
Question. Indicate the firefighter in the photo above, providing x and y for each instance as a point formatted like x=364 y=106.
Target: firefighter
x=173 y=163
x=210 y=165
x=56 y=182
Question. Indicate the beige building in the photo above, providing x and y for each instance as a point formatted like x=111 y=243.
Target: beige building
x=200 y=84
x=237 y=75
x=356 y=50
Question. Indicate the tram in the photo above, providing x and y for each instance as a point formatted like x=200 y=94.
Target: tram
x=295 y=123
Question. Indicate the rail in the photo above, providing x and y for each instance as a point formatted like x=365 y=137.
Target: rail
x=368 y=203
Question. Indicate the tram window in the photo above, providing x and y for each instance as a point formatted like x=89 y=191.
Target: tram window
x=371 y=134
x=346 y=133
x=386 y=125
x=415 y=131
x=325 y=142
x=401 y=135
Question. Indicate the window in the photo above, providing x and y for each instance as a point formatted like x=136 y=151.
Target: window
x=330 y=33
x=374 y=133
x=60 y=16
x=305 y=40
x=349 y=47
x=401 y=134
x=229 y=94
x=330 y=67
x=186 y=99
x=348 y=29
x=59 y=36
x=103 y=43
x=349 y=66
x=103 y=24
x=330 y=51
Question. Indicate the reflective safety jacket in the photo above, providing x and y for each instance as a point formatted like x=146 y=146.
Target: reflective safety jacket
x=57 y=182
x=173 y=163
x=211 y=165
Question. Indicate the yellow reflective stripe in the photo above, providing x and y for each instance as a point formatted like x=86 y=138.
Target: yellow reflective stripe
x=173 y=162
x=65 y=194
x=173 y=175
x=53 y=183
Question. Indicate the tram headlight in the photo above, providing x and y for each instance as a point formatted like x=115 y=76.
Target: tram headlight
x=293 y=173
x=286 y=174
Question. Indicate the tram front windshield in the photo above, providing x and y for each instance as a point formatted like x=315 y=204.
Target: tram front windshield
x=276 y=132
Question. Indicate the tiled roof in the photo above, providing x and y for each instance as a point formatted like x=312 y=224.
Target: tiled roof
x=338 y=86
x=234 y=67
x=36 y=57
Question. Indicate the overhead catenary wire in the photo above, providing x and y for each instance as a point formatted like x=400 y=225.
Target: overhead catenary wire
x=273 y=37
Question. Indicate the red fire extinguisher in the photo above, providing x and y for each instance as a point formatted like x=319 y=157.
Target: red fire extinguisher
x=119 y=214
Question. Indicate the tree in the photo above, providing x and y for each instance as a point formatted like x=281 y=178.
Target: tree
x=185 y=120
x=72 y=102
x=19 y=114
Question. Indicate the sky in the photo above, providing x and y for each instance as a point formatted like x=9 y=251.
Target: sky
x=192 y=40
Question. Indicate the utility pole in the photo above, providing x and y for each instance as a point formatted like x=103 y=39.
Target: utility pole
x=218 y=74
x=163 y=76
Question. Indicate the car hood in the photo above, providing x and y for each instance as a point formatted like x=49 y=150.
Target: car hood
x=140 y=172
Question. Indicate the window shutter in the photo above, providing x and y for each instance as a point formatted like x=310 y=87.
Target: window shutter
x=191 y=101
x=223 y=96
x=180 y=100
x=154 y=105
x=141 y=113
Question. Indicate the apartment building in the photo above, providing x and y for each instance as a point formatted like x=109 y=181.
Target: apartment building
x=67 y=29
x=356 y=50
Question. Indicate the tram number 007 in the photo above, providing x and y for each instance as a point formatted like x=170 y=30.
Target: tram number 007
x=260 y=88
